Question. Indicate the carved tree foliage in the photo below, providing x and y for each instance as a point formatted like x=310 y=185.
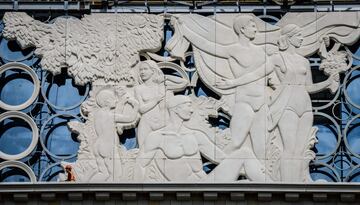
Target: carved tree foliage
x=99 y=46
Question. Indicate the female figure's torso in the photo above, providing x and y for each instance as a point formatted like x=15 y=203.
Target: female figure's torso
x=295 y=79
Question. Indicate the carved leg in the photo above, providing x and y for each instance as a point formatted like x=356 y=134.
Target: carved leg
x=103 y=174
x=240 y=125
x=305 y=125
x=229 y=169
x=254 y=169
x=258 y=133
x=288 y=126
x=143 y=131
x=109 y=163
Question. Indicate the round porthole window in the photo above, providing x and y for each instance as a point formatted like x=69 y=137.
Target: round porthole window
x=35 y=136
x=23 y=103
x=18 y=165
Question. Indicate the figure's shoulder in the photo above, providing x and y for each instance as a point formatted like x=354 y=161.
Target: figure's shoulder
x=160 y=133
x=138 y=88
x=155 y=134
x=236 y=47
x=271 y=49
x=154 y=139
x=102 y=111
x=305 y=60
x=276 y=57
x=198 y=134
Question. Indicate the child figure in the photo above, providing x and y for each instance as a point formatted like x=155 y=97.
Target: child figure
x=105 y=122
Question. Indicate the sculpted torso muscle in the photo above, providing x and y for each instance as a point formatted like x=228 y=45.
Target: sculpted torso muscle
x=179 y=145
x=244 y=60
x=179 y=156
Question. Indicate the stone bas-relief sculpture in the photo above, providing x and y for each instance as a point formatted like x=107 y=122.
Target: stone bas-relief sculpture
x=260 y=71
x=271 y=114
x=175 y=149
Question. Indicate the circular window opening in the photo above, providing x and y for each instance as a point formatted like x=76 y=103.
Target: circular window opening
x=16 y=87
x=15 y=136
x=11 y=51
x=19 y=86
x=56 y=138
x=61 y=93
x=15 y=124
x=15 y=171
x=13 y=174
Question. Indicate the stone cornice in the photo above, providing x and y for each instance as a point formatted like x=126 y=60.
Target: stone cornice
x=255 y=192
x=181 y=187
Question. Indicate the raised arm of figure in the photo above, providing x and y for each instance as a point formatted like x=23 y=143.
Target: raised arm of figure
x=206 y=45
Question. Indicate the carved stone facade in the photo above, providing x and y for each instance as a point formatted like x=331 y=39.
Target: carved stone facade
x=259 y=71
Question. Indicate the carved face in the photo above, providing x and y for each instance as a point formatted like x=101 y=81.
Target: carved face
x=145 y=72
x=112 y=102
x=184 y=111
x=106 y=98
x=249 y=30
x=296 y=40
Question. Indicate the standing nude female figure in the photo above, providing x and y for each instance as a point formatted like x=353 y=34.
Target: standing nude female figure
x=151 y=96
x=151 y=93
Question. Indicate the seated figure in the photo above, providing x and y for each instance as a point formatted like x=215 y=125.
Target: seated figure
x=176 y=150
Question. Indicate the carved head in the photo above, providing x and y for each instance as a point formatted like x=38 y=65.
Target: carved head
x=290 y=35
x=106 y=98
x=181 y=105
x=149 y=70
x=245 y=25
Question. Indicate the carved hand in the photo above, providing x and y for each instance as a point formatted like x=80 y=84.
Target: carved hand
x=335 y=77
x=161 y=96
x=326 y=40
x=120 y=91
x=334 y=82
x=272 y=83
x=132 y=101
x=225 y=84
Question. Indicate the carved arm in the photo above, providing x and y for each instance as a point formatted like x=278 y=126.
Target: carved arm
x=206 y=45
x=260 y=72
x=318 y=87
x=145 y=107
x=121 y=118
x=209 y=149
x=152 y=144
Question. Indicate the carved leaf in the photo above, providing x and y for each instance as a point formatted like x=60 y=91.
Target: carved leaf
x=99 y=46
